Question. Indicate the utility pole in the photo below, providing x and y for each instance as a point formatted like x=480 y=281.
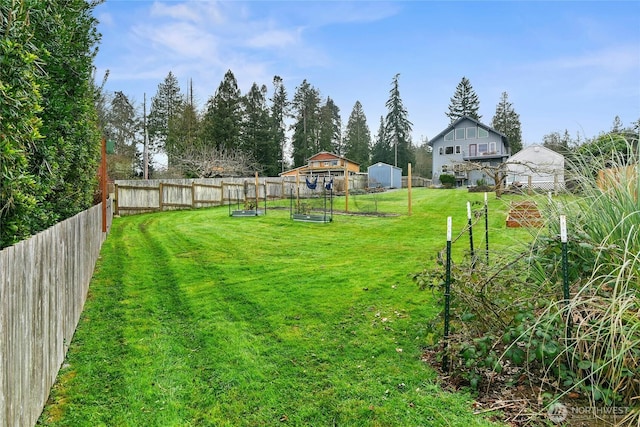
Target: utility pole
x=395 y=161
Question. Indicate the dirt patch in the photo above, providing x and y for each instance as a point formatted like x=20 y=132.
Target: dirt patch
x=342 y=212
x=521 y=404
x=378 y=214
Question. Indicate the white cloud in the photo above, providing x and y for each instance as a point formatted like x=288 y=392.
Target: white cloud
x=106 y=18
x=325 y=13
x=619 y=59
x=196 y=12
x=209 y=39
x=275 y=39
x=179 y=38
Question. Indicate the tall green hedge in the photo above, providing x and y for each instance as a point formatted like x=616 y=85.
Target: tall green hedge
x=49 y=138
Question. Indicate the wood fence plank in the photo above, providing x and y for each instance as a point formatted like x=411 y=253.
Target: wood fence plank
x=43 y=286
x=3 y=335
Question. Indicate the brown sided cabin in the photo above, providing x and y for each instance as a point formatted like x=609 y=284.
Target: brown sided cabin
x=325 y=164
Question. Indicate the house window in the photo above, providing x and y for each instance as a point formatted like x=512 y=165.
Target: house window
x=449 y=136
x=458 y=149
x=441 y=150
x=471 y=133
x=460 y=133
x=445 y=168
x=492 y=147
x=483 y=148
x=473 y=150
x=448 y=150
x=482 y=133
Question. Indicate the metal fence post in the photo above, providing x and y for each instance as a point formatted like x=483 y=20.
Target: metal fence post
x=565 y=270
x=447 y=299
x=473 y=255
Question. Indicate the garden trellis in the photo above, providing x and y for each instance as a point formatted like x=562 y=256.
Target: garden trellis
x=305 y=211
x=250 y=201
x=448 y=282
x=246 y=208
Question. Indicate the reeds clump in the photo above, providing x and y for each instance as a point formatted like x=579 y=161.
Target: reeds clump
x=601 y=348
x=511 y=323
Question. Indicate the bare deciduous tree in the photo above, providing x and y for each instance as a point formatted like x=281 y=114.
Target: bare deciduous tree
x=209 y=162
x=498 y=172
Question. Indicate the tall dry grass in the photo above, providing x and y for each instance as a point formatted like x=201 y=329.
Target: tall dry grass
x=602 y=345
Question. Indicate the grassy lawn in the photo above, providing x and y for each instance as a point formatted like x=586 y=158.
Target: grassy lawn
x=196 y=318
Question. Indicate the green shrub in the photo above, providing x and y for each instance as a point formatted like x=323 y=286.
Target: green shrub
x=448 y=180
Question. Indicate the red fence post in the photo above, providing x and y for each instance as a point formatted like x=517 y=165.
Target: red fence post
x=103 y=184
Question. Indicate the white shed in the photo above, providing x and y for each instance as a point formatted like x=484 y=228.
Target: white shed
x=537 y=166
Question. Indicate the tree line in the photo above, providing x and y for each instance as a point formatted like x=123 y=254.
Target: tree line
x=237 y=133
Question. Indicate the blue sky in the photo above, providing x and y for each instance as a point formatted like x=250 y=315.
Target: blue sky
x=565 y=65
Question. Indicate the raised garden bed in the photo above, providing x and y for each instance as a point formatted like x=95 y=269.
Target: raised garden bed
x=524 y=214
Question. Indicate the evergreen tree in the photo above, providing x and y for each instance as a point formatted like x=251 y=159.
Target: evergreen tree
x=617 y=125
x=185 y=128
x=122 y=123
x=558 y=143
x=306 y=108
x=357 y=139
x=256 y=141
x=464 y=102
x=398 y=128
x=222 y=119
x=507 y=121
x=279 y=111
x=122 y=126
x=381 y=150
x=166 y=106
x=330 y=132
x=424 y=161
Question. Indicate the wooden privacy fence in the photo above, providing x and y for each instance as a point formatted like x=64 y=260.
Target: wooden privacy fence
x=43 y=287
x=416 y=181
x=627 y=176
x=139 y=196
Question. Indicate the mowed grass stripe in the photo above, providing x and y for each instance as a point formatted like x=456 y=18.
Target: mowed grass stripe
x=196 y=318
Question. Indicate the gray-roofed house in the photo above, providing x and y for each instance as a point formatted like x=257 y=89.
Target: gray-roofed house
x=467 y=140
